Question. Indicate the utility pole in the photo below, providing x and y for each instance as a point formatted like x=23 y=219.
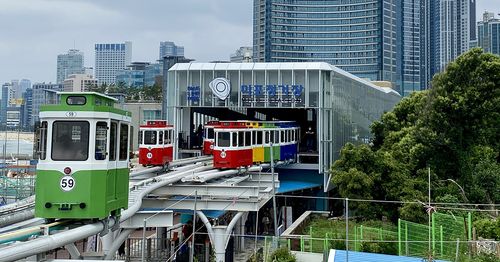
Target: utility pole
x=274 y=192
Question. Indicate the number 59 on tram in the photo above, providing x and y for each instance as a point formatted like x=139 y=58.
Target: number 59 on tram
x=83 y=149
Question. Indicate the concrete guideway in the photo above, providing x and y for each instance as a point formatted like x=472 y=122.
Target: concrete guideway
x=49 y=242
x=242 y=193
x=23 y=210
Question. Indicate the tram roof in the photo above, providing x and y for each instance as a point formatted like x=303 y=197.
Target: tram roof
x=88 y=93
x=276 y=66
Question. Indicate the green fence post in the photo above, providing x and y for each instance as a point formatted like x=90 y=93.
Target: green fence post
x=355 y=238
x=399 y=237
x=310 y=244
x=441 y=240
x=407 y=248
x=325 y=243
x=310 y=239
x=301 y=243
x=469 y=227
x=433 y=233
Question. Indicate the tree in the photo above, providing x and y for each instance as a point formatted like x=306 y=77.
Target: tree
x=453 y=129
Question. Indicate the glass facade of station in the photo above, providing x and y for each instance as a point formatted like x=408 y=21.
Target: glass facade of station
x=345 y=105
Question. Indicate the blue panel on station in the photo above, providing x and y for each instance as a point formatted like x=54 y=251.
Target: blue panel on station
x=294 y=185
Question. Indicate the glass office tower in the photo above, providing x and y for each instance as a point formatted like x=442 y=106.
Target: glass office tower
x=358 y=36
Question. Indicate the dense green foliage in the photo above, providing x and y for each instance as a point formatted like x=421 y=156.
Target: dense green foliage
x=146 y=93
x=282 y=255
x=488 y=228
x=452 y=128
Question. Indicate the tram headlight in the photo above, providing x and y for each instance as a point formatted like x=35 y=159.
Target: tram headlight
x=67 y=170
x=223 y=154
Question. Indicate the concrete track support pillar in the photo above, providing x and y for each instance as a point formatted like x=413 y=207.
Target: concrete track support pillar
x=219 y=235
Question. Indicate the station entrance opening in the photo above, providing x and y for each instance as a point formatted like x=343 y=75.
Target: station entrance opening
x=305 y=118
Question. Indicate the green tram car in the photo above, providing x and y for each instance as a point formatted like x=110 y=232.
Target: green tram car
x=83 y=148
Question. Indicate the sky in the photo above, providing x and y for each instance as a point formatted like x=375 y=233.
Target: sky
x=34 y=32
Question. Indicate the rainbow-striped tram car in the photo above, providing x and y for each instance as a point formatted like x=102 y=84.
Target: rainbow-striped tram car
x=208 y=137
x=155 y=143
x=243 y=143
x=83 y=148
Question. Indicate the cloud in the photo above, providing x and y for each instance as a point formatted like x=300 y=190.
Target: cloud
x=34 y=32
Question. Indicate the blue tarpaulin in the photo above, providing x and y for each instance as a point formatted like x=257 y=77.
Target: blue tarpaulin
x=340 y=256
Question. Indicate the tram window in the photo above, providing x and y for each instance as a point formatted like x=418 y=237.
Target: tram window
x=76 y=100
x=276 y=136
x=248 y=138
x=282 y=138
x=70 y=140
x=149 y=137
x=271 y=135
x=223 y=139
x=160 y=138
x=254 y=138
x=101 y=137
x=140 y=137
x=267 y=137
x=234 y=138
x=210 y=133
x=123 y=142
x=165 y=136
x=42 y=144
x=241 y=138
x=259 y=137
x=168 y=137
x=112 y=141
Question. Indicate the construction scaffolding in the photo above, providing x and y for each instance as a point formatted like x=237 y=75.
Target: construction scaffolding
x=16 y=188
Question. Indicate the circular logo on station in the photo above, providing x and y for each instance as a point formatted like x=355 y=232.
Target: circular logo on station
x=67 y=183
x=220 y=87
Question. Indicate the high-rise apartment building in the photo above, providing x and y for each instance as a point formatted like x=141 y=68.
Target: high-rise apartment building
x=409 y=51
x=356 y=36
x=488 y=33
x=28 y=109
x=6 y=93
x=450 y=28
x=109 y=58
x=70 y=63
x=43 y=94
x=170 y=49
x=24 y=84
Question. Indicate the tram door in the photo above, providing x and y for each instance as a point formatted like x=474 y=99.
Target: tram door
x=112 y=164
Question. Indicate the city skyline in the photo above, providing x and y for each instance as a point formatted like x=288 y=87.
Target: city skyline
x=34 y=34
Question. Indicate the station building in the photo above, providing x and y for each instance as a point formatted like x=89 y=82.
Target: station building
x=338 y=107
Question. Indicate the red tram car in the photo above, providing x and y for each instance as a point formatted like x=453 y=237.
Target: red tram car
x=156 y=143
x=232 y=146
x=209 y=137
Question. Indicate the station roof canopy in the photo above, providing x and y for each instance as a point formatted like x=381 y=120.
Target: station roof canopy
x=275 y=66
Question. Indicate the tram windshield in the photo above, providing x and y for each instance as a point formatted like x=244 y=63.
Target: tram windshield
x=223 y=139
x=209 y=134
x=149 y=137
x=70 y=140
